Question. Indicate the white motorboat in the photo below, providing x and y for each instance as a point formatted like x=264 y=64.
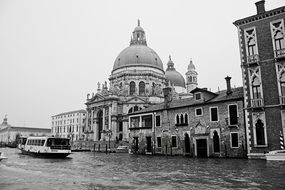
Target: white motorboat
x=2 y=157
x=276 y=155
x=46 y=147
x=122 y=149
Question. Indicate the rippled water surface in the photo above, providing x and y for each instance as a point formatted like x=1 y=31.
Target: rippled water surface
x=88 y=170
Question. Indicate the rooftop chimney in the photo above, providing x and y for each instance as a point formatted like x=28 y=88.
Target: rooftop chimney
x=260 y=6
x=229 y=89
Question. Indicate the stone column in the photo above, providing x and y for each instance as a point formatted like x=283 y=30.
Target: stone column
x=91 y=127
x=109 y=117
x=103 y=119
x=95 y=129
x=86 y=123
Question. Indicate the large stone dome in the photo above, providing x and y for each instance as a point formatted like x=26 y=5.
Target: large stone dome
x=138 y=53
x=174 y=77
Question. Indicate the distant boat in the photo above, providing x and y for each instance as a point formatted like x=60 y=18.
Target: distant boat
x=11 y=145
x=276 y=155
x=46 y=147
x=122 y=149
x=2 y=157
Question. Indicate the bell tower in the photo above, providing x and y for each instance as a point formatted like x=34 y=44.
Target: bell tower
x=191 y=77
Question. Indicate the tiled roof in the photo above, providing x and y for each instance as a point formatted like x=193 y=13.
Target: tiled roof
x=237 y=94
x=26 y=129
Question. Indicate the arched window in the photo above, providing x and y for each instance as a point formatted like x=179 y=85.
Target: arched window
x=131 y=110
x=181 y=119
x=259 y=130
x=256 y=92
x=132 y=87
x=278 y=39
x=153 y=87
x=177 y=119
x=120 y=136
x=282 y=84
x=134 y=109
x=251 y=46
x=141 y=88
x=186 y=118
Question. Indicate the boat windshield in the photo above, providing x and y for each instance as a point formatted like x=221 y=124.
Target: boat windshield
x=58 y=143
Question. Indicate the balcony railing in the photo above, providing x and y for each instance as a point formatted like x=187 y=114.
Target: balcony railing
x=252 y=58
x=279 y=53
x=282 y=100
x=256 y=103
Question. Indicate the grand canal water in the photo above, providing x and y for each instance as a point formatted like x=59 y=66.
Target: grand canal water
x=88 y=170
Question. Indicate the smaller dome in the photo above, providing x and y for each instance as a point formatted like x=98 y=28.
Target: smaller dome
x=173 y=76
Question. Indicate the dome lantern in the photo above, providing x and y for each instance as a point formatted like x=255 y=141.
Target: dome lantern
x=138 y=36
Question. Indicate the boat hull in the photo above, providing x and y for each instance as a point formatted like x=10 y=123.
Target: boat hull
x=278 y=155
x=46 y=154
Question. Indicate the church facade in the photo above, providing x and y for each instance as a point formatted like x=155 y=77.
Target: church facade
x=136 y=82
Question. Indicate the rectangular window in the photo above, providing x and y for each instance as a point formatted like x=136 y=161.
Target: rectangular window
x=157 y=120
x=214 y=114
x=159 y=142
x=173 y=141
x=233 y=114
x=147 y=121
x=198 y=112
x=134 y=122
x=198 y=96
x=234 y=140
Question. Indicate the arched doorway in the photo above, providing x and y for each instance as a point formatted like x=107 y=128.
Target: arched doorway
x=187 y=143
x=216 y=141
x=100 y=123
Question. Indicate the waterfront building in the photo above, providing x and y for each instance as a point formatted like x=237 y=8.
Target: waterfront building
x=9 y=133
x=69 y=124
x=262 y=51
x=206 y=125
x=136 y=82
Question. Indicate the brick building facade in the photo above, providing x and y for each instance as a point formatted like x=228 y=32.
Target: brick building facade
x=262 y=49
x=206 y=125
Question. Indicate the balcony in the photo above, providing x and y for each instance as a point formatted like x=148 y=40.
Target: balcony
x=257 y=103
x=280 y=53
x=251 y=59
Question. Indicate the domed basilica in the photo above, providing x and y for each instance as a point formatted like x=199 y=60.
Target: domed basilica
x=136 y=82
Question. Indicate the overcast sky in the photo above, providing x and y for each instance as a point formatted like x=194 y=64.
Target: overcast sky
x=52 y=53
